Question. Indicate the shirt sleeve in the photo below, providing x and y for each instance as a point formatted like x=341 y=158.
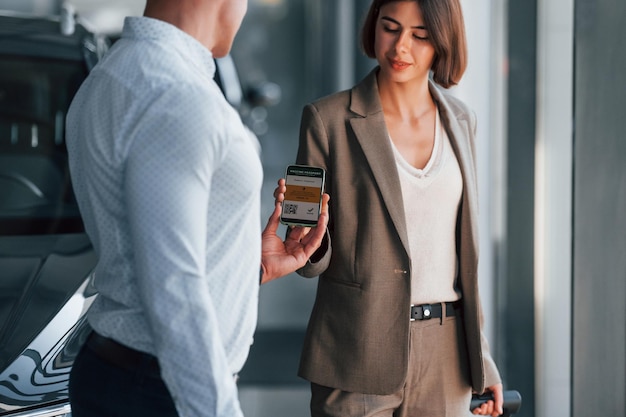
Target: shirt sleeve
x=176 y=146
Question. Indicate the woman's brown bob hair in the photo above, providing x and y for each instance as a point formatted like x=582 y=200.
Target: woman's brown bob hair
x=446 y=29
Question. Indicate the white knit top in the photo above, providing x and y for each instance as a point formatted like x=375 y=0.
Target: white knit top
x=431 y=200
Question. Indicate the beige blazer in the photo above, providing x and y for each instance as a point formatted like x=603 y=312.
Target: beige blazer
x=358 y=332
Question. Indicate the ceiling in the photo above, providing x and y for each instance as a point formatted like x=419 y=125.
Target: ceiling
x=107 y=16
x=104 y=16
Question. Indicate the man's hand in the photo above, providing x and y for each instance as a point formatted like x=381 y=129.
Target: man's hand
x=278 y=257
x=492 y=408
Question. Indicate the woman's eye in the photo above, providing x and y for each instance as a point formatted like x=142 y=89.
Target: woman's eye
x=421 y=34
x=389 y=29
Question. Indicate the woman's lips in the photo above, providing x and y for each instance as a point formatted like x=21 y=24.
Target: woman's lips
x=398 y=65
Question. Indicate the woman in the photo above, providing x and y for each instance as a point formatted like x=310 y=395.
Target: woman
x=396 y=329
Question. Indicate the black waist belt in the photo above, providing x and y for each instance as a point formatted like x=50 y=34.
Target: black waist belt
x=123 y=357
x=429 y=311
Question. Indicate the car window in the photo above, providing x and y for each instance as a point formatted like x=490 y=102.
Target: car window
x=35 y=192
x=44 y=253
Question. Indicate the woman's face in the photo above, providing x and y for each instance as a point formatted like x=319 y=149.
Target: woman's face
x=402 y=45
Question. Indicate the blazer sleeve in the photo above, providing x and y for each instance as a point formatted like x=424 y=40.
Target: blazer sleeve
x=491 y=373
x=313 y=150
x=473 y=125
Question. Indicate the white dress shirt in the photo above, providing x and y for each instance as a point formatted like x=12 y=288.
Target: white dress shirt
x=168 y=182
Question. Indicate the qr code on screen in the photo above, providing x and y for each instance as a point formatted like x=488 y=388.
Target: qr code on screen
x=290 y=209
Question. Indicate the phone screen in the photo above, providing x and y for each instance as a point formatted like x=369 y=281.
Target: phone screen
x=303 y=198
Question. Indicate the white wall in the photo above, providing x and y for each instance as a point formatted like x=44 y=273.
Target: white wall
x=553 y=207
x=483 y=89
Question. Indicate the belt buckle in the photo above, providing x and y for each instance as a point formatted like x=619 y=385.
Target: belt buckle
x=427 y=312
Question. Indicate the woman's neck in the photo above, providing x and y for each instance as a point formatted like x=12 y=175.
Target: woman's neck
x=408 y=100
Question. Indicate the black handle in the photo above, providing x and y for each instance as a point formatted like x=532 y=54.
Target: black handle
x=512 y=401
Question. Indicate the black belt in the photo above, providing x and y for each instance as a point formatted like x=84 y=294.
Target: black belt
x=123 y=357
x=429 y=311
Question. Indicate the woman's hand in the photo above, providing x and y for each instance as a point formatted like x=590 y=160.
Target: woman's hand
x=492 y=407
x=278 y=257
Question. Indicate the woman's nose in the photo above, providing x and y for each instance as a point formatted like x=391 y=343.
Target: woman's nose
x=402 y=41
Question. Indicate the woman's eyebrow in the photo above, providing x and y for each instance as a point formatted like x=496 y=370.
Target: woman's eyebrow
x=392 y=20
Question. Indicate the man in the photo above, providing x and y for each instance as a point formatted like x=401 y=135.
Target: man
x=168 y=179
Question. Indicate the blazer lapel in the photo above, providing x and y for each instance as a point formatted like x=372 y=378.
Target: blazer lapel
x=461 y=132
x=371 y=132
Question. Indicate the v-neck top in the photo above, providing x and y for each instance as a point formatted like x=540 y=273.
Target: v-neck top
x=431 y=197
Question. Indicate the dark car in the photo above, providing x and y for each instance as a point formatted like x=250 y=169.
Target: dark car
x=46 y=259
x=45 y=256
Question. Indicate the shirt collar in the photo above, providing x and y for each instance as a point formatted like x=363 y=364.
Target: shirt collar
x=146 y=28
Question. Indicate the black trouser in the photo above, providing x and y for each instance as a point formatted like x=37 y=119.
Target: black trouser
x=98 y=388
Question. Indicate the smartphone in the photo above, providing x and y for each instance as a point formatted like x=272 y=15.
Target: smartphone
x=303 y=198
